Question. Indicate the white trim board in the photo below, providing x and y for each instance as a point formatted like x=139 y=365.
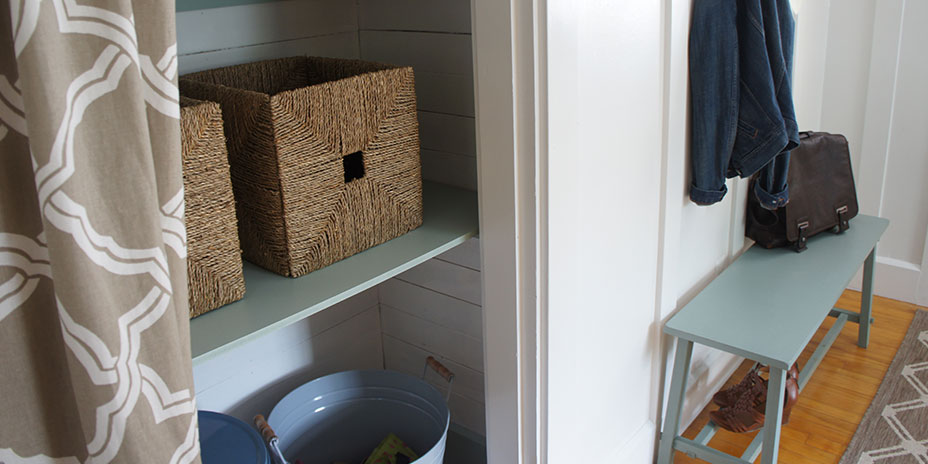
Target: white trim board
x=894 y=279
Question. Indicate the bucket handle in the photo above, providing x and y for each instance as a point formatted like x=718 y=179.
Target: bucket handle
x=442 y=371
x=270 y=437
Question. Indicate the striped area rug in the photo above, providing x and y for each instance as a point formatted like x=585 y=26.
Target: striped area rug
x=895 y=428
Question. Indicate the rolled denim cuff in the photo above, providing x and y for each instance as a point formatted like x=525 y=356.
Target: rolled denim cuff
x=707 y=197
x=769 y=200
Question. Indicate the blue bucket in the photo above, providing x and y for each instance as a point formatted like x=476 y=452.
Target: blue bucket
x=227 y=440
x=342 y=417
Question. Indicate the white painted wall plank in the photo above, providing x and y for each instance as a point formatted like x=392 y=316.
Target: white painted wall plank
x=342 y=45
x=847 y=69
x=260 y=23
x=449 y=168
x=416 y=15
x=405 y=357
x=604 y=84
x=438 y=308
x=445 y=93
x=444 y=277
x=466 y=254
x=907 y=160
x=214 y=372
x=265 y=371
x=447 y=133
x=468 y=413
x=424 y=51
x=434 y=338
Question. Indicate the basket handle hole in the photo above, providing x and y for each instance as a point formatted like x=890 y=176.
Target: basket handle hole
x=354 y=166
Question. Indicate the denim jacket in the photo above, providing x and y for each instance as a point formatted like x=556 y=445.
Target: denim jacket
x=743 y=121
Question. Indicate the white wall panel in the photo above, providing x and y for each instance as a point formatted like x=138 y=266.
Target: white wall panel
x=449 y=168
x=699 y=241
x=433 y=309
x=907 y=159
x=341 y=45
x=467 y=254
x=444 y=277
x=405 y=357
x=447 y=343
x=416 y=15
x=604 y=142
x=442 y=310
x=447 y=133
x=424 y=51
x=432 y=36
x=468 y=413
x=251 y=378
x=261 y=23
x=894 y=148
x=226 y=36
x=445 y=93
x=810 y=50
x=847 y=69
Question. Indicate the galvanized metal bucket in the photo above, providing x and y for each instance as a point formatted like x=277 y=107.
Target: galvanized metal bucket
x=342 y=417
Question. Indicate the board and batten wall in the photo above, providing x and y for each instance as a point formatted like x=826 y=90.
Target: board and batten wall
x=431 y=309
x=857 y=72
x=877 y=51
x=865 y=80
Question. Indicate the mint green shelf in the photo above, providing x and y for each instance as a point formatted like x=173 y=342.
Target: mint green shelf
x=273 y=301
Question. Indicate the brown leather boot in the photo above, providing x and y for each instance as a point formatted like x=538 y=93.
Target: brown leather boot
x=742 y=416
x=728 y=396
x=791 y=397
x=747 y=414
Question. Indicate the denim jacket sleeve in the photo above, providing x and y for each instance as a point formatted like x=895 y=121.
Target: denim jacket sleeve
x=714 y=88
x=743 y=121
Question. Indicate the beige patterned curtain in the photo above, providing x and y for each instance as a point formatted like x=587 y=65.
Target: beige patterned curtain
x=94 y=336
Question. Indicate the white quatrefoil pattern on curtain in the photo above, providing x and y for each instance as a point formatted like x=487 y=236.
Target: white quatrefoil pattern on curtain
x=94 y=336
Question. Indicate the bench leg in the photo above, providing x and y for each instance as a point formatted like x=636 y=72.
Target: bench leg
x=866 y=301
x=681 y=370
x=773 y=415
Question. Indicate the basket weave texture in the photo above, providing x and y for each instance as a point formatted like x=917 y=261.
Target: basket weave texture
x=290 y=124
x=214 y=261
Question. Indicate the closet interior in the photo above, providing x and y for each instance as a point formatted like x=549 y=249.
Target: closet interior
x=387 y=307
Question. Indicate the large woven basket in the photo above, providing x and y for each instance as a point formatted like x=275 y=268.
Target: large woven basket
x=324 y=156
x=214 y=259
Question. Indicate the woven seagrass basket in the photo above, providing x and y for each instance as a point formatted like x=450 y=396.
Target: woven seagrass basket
x=214 y=259
x=324 y=156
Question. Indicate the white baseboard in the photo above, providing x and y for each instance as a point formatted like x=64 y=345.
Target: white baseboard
x=894 y=279
x=640 y=448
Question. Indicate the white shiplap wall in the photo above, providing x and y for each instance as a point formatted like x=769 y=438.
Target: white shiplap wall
x=432 y=36
x=434 y=309
x=219 y=37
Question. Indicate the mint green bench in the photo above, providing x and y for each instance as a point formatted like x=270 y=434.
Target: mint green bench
x=766 y=307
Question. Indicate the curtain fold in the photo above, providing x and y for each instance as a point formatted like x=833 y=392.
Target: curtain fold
x=94 y=335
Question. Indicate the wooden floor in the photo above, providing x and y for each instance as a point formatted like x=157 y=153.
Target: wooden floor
x=836 y=398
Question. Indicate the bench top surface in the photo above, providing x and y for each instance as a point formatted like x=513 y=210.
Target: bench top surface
x=768 y=304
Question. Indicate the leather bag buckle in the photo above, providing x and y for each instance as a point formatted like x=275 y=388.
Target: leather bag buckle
x=843 y=221
x=803 y=239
